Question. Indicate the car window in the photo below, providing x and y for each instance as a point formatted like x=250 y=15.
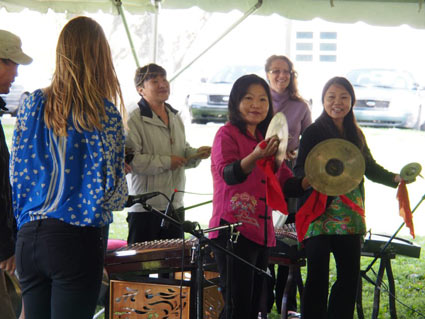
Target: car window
x=391 y=79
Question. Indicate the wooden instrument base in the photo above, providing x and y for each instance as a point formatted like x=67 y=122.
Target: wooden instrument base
x=140 y=300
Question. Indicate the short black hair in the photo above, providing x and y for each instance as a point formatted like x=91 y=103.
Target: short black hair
x=148 y=72
x=239 y=90
x=5 y=61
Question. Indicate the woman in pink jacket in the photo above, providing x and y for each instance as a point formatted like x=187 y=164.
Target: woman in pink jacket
x=240 y=191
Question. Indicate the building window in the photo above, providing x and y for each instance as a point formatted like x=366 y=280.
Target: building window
x=304 y=57
x=327 y=46
x=328 y=35
x=316 y=46
x=327 y=58
x=304 y=35
x=304 y=46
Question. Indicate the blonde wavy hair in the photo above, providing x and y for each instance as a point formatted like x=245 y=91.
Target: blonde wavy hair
x=83 y=78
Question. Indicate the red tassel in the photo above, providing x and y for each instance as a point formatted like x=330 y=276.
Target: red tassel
x=404 y=207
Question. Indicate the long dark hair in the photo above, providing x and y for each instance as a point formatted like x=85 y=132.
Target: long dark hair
x=352 y=131
x=239 y=90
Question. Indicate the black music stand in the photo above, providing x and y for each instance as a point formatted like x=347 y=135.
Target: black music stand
x=385 y=265
x=191 y=227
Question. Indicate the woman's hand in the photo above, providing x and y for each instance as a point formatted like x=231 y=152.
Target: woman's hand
x=397 y=178
x=8 y=265
x=290 y=155
x=203 y=152
x=266 y=148
x=127 y=168
x=177 y=162
x=305 y=184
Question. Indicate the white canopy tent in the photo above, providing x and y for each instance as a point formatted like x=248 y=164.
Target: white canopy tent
x=375 y=12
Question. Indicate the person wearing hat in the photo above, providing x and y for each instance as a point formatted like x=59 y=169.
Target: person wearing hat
x=11 y=56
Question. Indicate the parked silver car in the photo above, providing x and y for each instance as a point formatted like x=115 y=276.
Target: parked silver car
x=208 y=102
x=388 y=98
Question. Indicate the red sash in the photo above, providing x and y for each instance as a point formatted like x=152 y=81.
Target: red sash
x=314 y=207
x=274 y=194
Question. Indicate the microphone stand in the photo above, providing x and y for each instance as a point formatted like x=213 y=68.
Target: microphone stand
x=203 y=241
x=200 y=267
x=169 y=211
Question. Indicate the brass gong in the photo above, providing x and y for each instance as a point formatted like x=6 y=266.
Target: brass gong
x=334 y=167
x=279 y=127
x=410 y=171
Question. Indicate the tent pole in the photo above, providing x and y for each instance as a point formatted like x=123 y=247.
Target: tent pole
x=155 y=29
x=246 y=15
x=118 y=4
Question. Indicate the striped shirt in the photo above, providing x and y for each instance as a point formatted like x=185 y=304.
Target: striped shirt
x=78 y=178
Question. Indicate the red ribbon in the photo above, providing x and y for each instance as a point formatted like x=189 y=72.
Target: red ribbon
x=274 y=194
x=314 y=207
x=404 y=206
x=352 y=205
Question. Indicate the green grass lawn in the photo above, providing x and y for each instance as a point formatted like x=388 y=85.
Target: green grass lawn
x=392 y=148
x=409 y=275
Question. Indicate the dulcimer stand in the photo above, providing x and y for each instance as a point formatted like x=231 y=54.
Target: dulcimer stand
x=385 y=266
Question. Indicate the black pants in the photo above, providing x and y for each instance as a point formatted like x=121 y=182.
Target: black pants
x=279 y=283
x=346 y=250
x=146 y=226
x=60 y=269
x=276 y=286
x=245 y=285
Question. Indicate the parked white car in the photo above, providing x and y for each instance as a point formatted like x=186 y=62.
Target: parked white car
x=209 y=101
x=388 y=98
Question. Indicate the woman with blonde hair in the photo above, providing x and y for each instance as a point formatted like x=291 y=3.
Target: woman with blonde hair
x=67 y=176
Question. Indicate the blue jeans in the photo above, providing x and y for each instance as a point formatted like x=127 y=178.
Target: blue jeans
x=60 y=269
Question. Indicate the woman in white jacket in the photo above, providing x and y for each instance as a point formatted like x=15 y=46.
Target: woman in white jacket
x=157 y=140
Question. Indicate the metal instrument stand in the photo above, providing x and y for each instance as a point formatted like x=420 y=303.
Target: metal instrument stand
x=385 y=264
x=199 y=233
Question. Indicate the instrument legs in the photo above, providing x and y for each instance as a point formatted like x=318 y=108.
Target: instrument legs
x=359 y=301
x=384 y=266
x=391 y=285
x=377 y=293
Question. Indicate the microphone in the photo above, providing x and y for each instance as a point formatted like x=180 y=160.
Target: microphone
x=189 y=227
x=169 y=210
x=140 y=199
